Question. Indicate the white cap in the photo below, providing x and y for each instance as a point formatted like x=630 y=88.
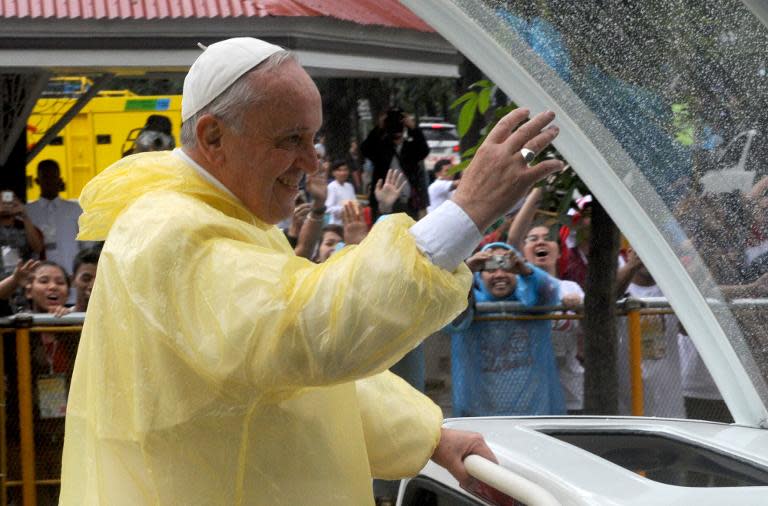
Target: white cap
x=220 y=65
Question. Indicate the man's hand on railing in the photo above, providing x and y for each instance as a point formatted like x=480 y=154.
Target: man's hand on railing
x=454 y=447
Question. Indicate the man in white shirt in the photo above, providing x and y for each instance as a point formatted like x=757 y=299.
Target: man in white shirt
x=55 y=217
x=441 y=188
x=662 y=380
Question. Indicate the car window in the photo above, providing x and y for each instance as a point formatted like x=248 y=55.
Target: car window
x=665 y=459
x=670 y=96
x=423 y=491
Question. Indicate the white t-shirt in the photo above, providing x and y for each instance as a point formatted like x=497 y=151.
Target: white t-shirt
x=337 y=195
x=662 y=382
x=565 y=335
x=697 y=382
x=439 y=191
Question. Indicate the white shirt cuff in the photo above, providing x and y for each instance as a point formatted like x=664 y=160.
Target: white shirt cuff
x=447 y=235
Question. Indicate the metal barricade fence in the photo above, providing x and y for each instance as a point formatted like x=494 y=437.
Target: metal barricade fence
x=37 y=357
x=651 y=356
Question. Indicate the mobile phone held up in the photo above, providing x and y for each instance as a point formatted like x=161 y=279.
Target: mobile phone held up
x=7 y=197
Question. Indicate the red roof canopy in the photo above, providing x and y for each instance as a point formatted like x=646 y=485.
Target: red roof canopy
x=367 y=12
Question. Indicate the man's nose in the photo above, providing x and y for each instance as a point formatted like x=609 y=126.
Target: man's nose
x=307 y=160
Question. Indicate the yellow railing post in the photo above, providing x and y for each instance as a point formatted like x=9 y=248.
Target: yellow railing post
x=3 y=447
x=635 y=361
x=24 y=362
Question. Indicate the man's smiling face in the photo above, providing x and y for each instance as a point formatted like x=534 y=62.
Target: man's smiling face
x=266 y=157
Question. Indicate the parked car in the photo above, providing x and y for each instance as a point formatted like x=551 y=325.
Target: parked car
x=649 y=100
x=442 y=139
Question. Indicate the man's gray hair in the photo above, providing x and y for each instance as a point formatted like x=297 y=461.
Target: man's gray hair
x=234 y=101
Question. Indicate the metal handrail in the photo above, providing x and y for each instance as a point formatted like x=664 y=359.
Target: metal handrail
x=624 y=304
x=508 y=482
x=42 y=319
x=22 y=324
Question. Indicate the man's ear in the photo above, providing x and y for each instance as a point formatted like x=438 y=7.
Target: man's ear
x=209 y=133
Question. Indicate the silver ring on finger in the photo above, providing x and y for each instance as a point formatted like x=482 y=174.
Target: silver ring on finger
x=528 y=155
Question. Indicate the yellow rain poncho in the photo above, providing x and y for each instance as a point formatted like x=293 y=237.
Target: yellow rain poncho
x=217 y=368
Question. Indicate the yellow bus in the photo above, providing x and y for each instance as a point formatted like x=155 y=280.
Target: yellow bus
x=97 y=136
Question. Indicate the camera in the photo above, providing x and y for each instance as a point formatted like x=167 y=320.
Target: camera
x=394 y=121
x=498 y=262
x=7 y=197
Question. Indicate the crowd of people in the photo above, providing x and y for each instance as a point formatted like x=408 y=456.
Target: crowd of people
x=38 y=237
x=504 y=367
x=517 y=366
x=248 y=337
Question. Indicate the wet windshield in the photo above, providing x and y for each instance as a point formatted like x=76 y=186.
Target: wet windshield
x=672 y=95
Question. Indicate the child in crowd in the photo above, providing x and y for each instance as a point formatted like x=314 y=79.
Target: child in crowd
x=332 y=236
x=441 y=188
x=48 y=288
x=84 y=270
x=339 y=191
x=53 y=359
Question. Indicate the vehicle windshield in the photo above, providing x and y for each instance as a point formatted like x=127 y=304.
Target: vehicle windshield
x=671 y=96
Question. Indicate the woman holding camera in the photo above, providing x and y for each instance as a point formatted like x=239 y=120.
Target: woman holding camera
x=505 y=367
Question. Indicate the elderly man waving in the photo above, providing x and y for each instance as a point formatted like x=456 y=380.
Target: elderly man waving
x=215 y=366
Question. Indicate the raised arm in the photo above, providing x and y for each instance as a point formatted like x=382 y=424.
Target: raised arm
x=521 y=224
x=311 y=229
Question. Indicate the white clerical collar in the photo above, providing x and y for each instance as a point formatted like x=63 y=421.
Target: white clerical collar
x=203 y=173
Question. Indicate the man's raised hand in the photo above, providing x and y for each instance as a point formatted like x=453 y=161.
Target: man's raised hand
x=317 y=186
x=498 y=176
x=388 y=190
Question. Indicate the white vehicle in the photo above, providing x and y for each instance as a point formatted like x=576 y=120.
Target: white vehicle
x=642 y=92
x=443 y=142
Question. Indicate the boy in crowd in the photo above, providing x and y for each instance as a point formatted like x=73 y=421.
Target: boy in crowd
x=84 y=269
x=339 y=191
x=441 y=188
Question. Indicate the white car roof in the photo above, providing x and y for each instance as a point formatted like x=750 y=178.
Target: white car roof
x=576 y=477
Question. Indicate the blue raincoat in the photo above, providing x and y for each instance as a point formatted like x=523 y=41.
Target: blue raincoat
x=507 y=367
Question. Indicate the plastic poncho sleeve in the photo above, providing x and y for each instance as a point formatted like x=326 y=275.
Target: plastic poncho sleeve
x=401 y=425
x=537 y=288
x=246 y=316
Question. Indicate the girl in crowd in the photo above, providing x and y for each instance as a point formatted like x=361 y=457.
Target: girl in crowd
x=538 y=241
x=53 y=359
